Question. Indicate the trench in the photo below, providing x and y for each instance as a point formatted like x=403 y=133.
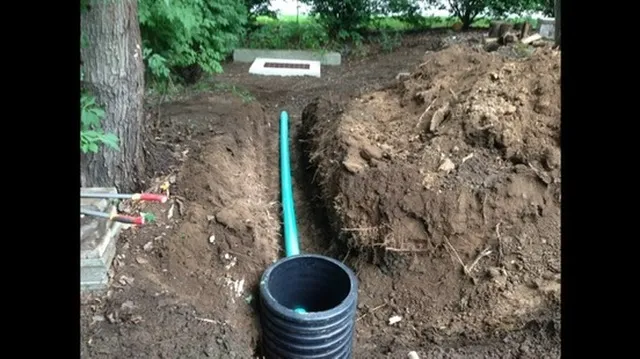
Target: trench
x=318 y=235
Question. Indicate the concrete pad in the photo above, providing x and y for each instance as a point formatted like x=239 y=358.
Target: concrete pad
x=282 y=67
x=547 y=28
x=98 y=238
x=250 y=55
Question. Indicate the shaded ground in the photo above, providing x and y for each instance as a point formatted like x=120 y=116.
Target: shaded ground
x=184 y=287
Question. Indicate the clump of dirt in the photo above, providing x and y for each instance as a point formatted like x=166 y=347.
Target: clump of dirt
x=458 y=166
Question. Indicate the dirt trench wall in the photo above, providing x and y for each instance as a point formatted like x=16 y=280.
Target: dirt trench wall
x=465 y=151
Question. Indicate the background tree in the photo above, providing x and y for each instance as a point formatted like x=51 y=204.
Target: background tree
x=257 y=8
x=189 y=37
x=341 y=18
x=113 y=72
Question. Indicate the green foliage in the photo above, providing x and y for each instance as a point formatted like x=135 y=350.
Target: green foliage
x=340 y=17
x=309 y=35
x=183 y=33
x=470 y=10
x=501 y=8
x=547 y=7
x=466 y=10
x=149 y=217
x=389 y=40
x=407 y=11
x=256 y=8
x=91 y=133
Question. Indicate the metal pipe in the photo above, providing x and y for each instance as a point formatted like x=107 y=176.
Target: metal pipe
x=150 y=197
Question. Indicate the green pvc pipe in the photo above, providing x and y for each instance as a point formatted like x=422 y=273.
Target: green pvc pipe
x=291 y=242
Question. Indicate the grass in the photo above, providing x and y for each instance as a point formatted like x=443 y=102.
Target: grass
x=305 y=33
x=175 y=92
x=429 y=22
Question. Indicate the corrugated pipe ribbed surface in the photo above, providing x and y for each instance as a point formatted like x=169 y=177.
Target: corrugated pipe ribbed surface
x=327 y=290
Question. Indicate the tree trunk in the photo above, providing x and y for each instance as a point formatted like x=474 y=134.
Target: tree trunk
x=114 y=74
x=504 y=29
x=494 y=28
x=557 y=27
x=467 y=21
x=526 y=28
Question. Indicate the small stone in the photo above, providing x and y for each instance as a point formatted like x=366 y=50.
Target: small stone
x=148 y=246
x=447 y=166
x=111 y=318
x=352 y=167
x=230 y=219
x=494 y=272
x=395 y=319
x=97 y=319
x=212 y=238
x=124 y=280
x=413 y=355
x=371 y=152
x=551 y=158
x=141 y=260
x=210 y=218
x=401 y=76
x=128 y=305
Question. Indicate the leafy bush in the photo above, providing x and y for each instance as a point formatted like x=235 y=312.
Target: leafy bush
x=258 y=8
x=91 y=133
x=341 y=17
x=407 y=11
x=309 y=35
x=501 y=8
x=183 y=33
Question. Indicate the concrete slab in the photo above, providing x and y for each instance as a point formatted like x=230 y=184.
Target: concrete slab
x=547 y=28
x=250 y=55
x=98 y=238
x=282 y=67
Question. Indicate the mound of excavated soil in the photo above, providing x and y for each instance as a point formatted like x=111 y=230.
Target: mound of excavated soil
x=465 y=154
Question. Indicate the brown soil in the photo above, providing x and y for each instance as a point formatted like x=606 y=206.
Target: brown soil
x=184 y=287
x=459 y=165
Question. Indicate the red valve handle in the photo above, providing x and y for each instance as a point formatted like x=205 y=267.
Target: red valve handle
x=152 y=197
x=128 y=219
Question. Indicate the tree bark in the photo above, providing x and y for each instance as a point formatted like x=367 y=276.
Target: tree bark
x=557 y=26
x=504 y=28
x=494 y=28
x=114 y=74
x=526 y=28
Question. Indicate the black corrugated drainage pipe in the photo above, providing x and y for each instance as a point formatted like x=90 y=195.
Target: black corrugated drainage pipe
x=308 y=308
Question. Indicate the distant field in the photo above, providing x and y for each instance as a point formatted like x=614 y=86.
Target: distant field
x=305 y=33
x=393 y=23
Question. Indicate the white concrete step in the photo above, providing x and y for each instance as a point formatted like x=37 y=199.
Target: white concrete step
x=285 y=67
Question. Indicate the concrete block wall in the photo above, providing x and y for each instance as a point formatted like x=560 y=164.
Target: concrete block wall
x=98 y=238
